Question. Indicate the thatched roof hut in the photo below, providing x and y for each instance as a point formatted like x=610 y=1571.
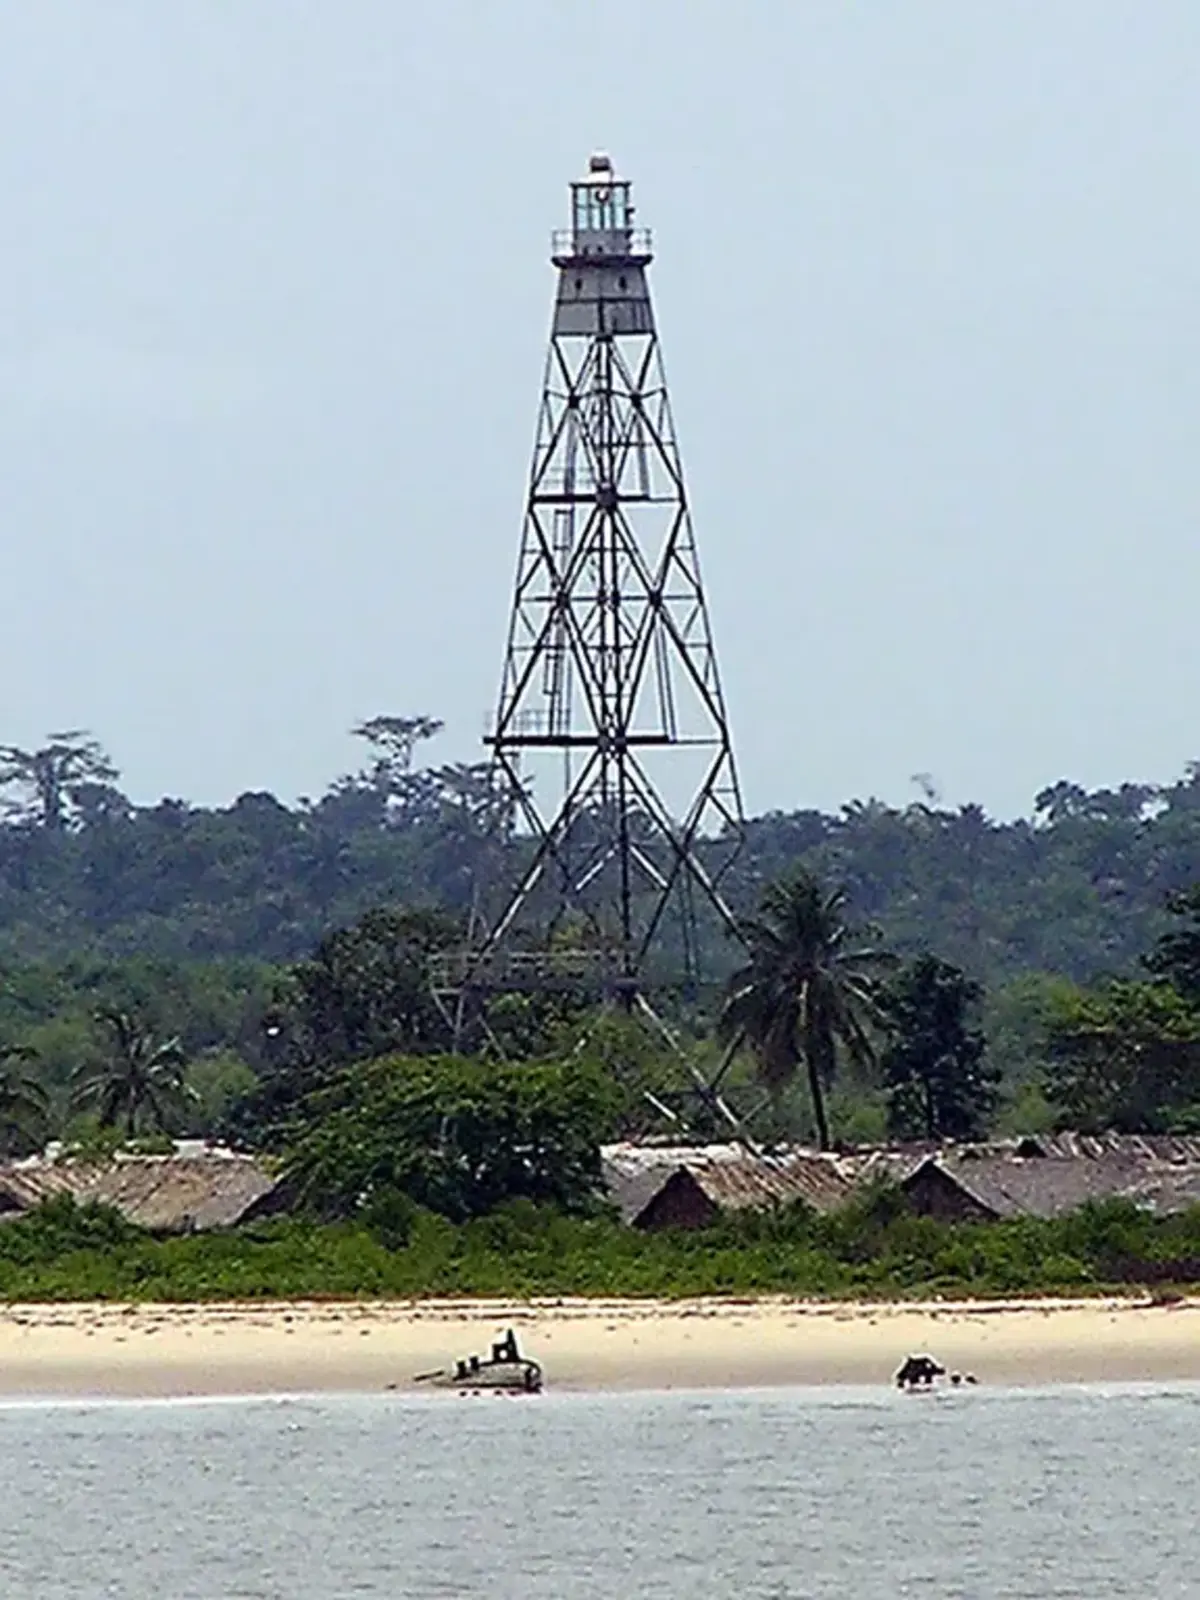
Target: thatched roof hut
x=664 y=1186
x=689 y=1186
x=195 y=1190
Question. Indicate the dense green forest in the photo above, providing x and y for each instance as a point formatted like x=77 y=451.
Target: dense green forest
x=215 y=971
x=1078 y=888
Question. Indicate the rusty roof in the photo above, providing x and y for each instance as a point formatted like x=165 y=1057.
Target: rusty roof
x=1085 y=1146
x=167 y=1194
x=758 y=1182
x=24 y=1185
x=177 y=1193
x=1169 y=1190
x=882 y=1165
x=733 y=1177
x=1043 y=1176
x=1177 y=1148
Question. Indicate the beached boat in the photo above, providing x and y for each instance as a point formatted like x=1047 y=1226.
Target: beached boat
x=507 y=1372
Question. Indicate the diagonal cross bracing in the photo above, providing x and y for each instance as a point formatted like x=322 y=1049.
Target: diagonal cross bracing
x=610 y=728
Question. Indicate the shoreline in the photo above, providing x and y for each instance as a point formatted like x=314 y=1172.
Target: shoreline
x=162 y=1350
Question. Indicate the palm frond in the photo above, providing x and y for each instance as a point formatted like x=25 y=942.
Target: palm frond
x=807 y=989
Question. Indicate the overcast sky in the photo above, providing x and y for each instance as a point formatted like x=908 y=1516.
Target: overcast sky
x=275 y=296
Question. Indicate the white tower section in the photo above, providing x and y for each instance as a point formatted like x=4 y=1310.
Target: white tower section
x=602 y=261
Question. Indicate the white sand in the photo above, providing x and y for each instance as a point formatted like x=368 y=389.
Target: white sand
x=246 y=1349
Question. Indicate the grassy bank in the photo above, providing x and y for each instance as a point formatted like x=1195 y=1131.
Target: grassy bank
x=874 y=1249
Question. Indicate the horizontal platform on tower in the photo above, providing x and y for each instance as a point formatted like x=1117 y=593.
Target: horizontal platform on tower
x=632 y=245
x=588 y=741
x=503 y=971
x=592 y=497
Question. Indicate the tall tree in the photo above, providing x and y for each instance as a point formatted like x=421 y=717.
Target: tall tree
x=1176 y=955
x=393 y=742
x=24 y=1105
x=1126 y=1057
x=140 y=1076
x=386 y=792
x=394 y=739
x=460 y=1136
x=366 y=990
x=49 y=780
x=939 y=1083
x=808 y=989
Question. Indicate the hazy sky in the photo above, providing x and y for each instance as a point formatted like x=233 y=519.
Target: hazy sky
x=275 y=300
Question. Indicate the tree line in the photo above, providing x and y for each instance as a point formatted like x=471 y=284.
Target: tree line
x=829 y=1025
x=1077 y=889
x=343 y=1067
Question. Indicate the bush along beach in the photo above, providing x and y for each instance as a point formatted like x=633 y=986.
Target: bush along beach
x=871 y=1249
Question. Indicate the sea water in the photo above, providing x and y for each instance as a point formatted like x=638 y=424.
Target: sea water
x=759 y=1495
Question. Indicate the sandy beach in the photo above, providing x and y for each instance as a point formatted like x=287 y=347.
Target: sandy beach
x=162 y=1350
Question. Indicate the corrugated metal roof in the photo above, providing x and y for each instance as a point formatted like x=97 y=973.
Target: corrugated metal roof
x=759 y=1182
x=631 y=1191
x=1085 y=1146
x=176 y=1194
x=881 y=1165
x=1167 y=1192
x=167 y=1194
x=732 y=1177
x=1181 y=1148
x=23 y=1185
x=1051 y=1185
x=1039 y=1186
x=1160 y=1171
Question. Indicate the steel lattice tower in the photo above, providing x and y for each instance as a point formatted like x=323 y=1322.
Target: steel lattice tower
x=610 y=730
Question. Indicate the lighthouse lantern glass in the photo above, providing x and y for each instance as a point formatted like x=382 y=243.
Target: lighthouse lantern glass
x=601 y=206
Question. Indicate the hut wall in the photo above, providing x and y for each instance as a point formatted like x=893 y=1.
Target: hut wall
x=680 y=1203
x=932 y=1192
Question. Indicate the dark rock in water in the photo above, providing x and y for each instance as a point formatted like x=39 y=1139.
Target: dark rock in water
x=918 y=1372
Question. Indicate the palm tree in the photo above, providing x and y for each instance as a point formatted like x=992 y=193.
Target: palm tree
x=24 y=1104
x=140 y=1074
x=806 y=989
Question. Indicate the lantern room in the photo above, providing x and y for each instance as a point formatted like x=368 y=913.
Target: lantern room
x=601 y=218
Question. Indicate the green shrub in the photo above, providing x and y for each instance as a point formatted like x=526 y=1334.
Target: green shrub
x=67 y=1251
x=60 y=1226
